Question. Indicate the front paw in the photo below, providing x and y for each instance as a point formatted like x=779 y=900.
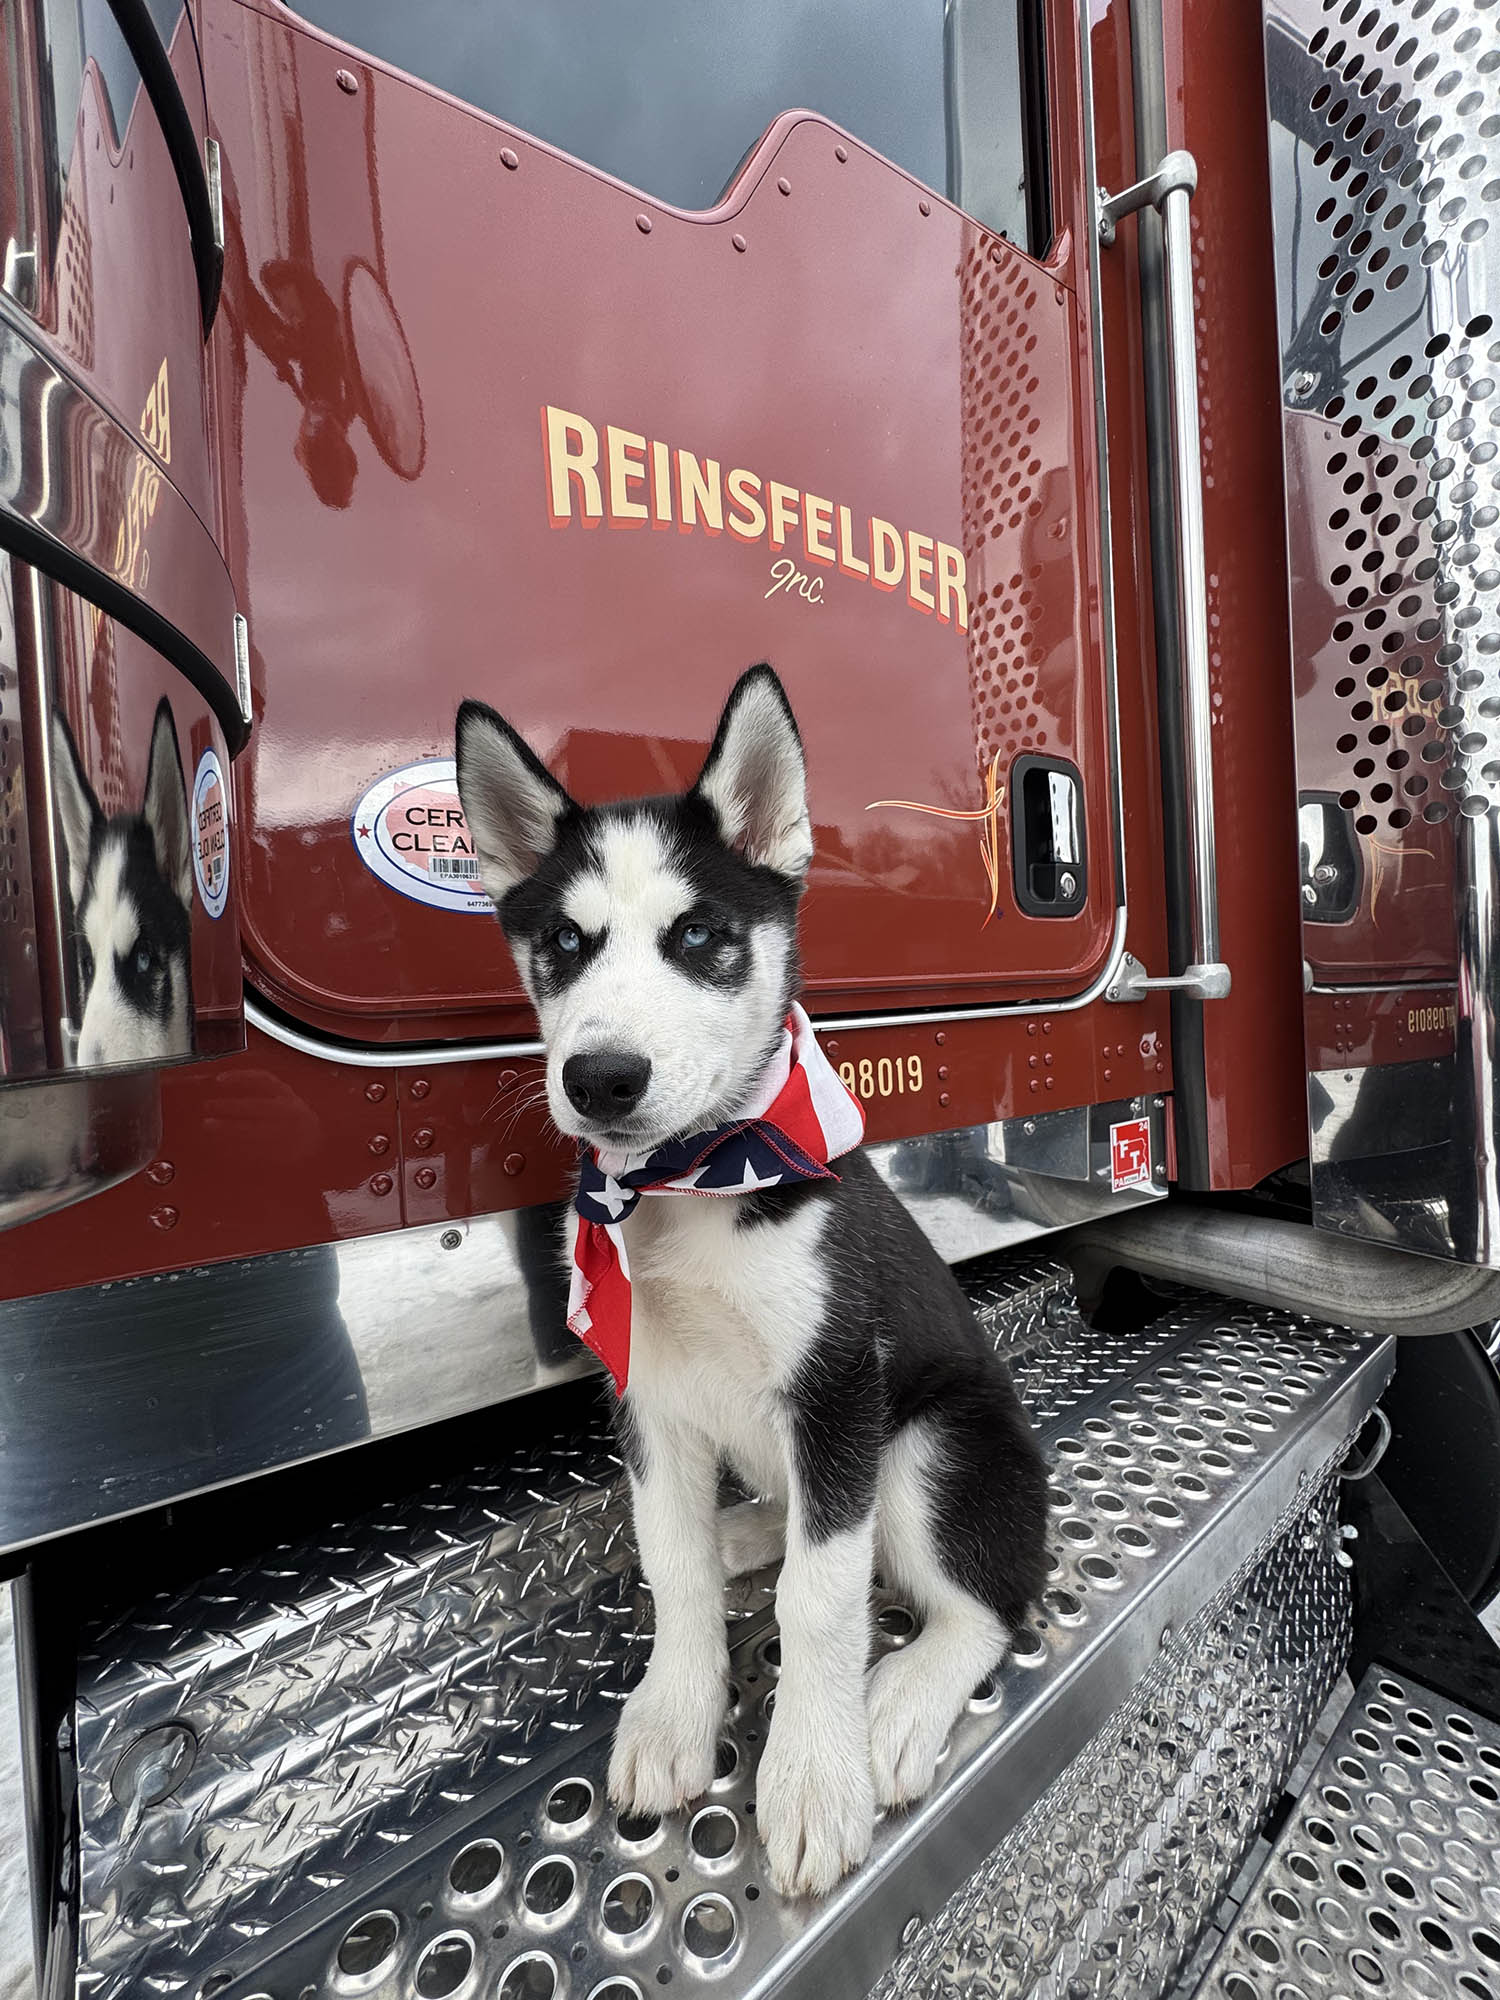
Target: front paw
x=814 y=1802
x=665 y=1742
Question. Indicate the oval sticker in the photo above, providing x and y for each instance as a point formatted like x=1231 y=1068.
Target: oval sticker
x=409 y=829
x=211 y=834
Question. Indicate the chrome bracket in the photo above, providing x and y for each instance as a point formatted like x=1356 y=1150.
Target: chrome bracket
x=1201 y=982
x=1361 y=1468
x=242 y=665
x=1173 y=171
x=213 y=174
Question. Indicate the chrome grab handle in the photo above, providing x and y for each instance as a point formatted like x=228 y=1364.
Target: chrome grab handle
x=1169 y=190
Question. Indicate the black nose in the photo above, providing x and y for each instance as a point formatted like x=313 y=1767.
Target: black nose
x=607 y=1083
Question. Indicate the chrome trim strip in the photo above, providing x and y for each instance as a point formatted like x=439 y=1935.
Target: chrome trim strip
x=1096 y=988
x=1095 y=304
x=358 y=1057
x=1389 y=986
x=84 y=502
x=242 y=666
x=213 y=168
x=1475 y=1221
x=363 y=1056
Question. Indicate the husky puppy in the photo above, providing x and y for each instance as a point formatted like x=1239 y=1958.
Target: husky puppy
x=804 y=1334
x=130 y=881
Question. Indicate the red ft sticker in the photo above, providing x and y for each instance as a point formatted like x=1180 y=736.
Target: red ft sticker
x=1130 y=1154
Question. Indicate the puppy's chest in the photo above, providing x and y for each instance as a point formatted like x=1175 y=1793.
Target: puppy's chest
x=710 y=1295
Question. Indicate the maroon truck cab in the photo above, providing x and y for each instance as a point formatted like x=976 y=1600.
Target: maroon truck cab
x=474 y=416
x=1087 y=410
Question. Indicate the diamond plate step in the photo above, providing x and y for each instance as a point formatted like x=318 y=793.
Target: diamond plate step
x=399 y=1729
x=1386 y=1877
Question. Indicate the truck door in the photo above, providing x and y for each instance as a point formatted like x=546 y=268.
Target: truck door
x=584 y=393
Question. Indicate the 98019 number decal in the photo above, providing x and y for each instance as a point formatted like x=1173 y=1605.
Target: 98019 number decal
x=890 y=1076
x=1426 y=1020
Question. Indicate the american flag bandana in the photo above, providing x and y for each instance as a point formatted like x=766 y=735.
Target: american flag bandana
x=799 y=1118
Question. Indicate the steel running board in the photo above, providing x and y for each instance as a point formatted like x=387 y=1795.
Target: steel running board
x=399 y=1730
x=1386 y=1877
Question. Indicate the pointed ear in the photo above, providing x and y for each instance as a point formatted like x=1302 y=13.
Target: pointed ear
x=510 y=799
x=165 y=808
x=755 y=778
x=77 y=808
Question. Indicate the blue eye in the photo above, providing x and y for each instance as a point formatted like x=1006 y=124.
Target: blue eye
x=145 y=959
x=568 y=940
x=696 y=936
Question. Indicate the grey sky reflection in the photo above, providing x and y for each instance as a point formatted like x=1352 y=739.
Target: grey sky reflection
x=670 y=94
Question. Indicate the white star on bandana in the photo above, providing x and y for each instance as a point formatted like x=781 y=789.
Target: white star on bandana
x=612 y=1197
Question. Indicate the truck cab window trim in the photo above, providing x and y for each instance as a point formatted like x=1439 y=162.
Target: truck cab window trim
x=133 y=18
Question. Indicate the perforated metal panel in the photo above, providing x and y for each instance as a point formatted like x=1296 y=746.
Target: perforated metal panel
x=1385 y=158
x=1383 y=1880
x=1386 y=129
x=1002 y=500
x=1105 y=1886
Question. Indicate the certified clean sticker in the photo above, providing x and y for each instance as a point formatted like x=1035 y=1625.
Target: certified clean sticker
x=409 y=829
x=211 y=834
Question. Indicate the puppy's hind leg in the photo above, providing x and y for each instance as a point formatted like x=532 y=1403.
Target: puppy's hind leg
x=752 y=1533
x=917 y=1693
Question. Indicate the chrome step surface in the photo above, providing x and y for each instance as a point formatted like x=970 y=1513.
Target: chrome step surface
x=1105 y=1886
x=397 y=1732
x=1385 y=1880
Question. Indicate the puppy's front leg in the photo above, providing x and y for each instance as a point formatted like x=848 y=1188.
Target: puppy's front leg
x=668 y=1729
x=815 y=1802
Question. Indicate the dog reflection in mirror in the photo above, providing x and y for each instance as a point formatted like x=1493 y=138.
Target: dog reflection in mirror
x=130 y=881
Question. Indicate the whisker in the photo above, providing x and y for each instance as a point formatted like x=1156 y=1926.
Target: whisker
x=524 y=1097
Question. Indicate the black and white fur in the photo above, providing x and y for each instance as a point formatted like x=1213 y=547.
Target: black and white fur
x=130 y=882
x=809 y=1337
